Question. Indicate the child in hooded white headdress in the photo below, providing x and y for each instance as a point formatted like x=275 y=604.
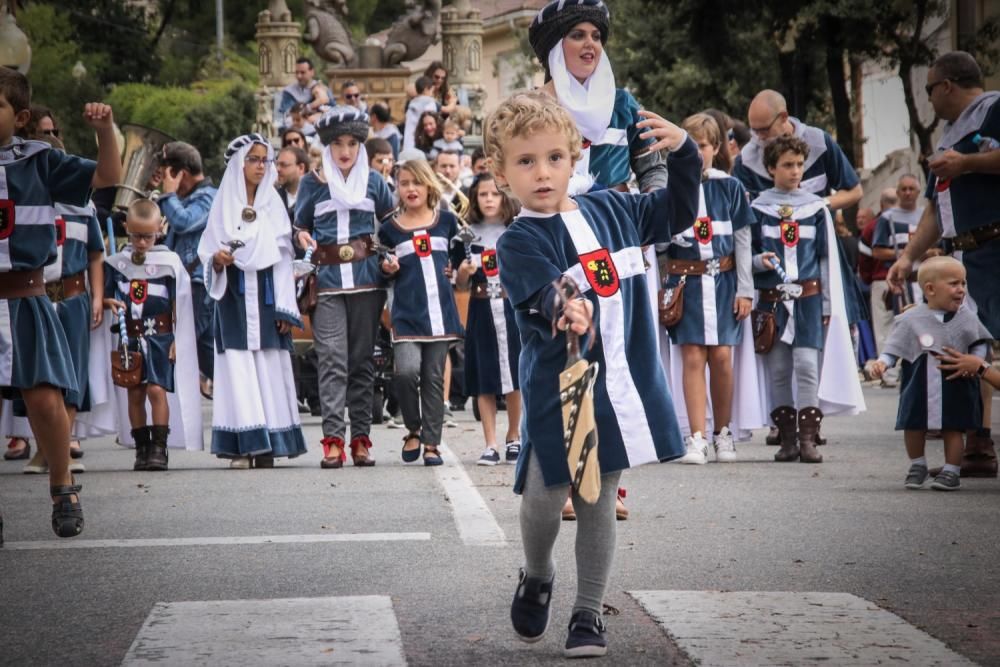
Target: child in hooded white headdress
x=247 y=253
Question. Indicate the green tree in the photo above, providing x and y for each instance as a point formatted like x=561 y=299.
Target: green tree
x=52 y=82
x=118 y=31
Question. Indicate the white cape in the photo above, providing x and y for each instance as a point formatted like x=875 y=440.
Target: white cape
x=185 y=401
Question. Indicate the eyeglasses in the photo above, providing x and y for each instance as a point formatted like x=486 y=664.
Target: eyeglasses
x=931 y=86
x=352 y=96
x=255 y=160
x=141 y=237
x=765 y=130
x=51 y=133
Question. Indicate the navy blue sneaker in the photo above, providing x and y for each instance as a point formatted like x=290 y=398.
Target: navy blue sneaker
x=529 y=612
x=586 y=636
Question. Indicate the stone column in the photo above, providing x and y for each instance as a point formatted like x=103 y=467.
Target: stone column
x=462 y=54
x=278 y=38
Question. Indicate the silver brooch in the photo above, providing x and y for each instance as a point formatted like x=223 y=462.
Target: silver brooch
x=249 y=215
x=713 y=267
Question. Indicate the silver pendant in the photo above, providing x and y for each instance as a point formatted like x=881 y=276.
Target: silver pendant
x=249 y=215
x=138 y=257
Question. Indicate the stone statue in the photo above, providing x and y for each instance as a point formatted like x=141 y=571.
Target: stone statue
x=265 y=113
x=411 y=36
x=277 y=10
x=326 y=30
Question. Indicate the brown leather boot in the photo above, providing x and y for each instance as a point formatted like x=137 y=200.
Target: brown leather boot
x=157 y=448
x=980 y=458
x=141 y=437
x=809 y=421
x=784 y=418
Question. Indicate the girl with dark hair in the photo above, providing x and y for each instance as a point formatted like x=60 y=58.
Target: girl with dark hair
x=492 y=341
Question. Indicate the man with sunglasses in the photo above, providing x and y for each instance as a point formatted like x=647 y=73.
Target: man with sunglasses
x=186 y=200
x=351 y=93
x=964 y=210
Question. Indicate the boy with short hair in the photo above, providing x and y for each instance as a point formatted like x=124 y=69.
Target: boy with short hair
x=150 y=283
x=928 y=401
x=418 y=105
x=794 y=233
x=35 y=354
x=596 y=240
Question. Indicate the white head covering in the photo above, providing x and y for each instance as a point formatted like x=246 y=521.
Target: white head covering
x=225 y=219
x=351 y=193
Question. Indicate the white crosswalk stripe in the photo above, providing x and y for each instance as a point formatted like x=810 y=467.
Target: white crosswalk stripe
x=358 y=630
x=749 y=628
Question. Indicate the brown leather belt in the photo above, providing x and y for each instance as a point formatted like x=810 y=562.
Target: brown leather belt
x=67 y=288
x=344 y=253
x=160 y=324
x=810 y=287
x=22 y=284
x=694 y=267
x=482 y=291
x=977 y=237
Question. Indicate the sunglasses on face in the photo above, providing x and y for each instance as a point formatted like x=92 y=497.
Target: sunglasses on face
x=51 y=133
x=352 y=96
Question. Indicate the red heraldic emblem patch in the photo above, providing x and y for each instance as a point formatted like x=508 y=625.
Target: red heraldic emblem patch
x=703 y=230
x=138 y=290
x=601 y=272
x=60 y=231
x=490 y=266
x=422 y=244
x=790 y=233
x=6 y=218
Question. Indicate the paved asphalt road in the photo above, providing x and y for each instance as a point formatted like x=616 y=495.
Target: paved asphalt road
x=846 y=526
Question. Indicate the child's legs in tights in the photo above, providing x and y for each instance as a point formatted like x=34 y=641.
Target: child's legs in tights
x=47 y=417
x=784 y=361
x=540 y=519
x=780 y=369
x=137 y=406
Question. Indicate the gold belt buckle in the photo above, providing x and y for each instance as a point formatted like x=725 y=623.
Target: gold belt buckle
x=54 y=290
x=346 y=253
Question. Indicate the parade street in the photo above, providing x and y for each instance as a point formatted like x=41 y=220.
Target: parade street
x=724 y=564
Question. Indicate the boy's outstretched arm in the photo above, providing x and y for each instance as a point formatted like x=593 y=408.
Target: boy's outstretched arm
x=670 y=210
x=109 y=165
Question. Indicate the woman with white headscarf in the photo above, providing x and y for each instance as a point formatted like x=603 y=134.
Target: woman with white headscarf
x=247 y=253
x=568 y=37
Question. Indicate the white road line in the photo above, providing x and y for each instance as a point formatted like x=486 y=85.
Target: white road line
x=476 y=525
x=214 y=541
x=762 y=628
x=359 y=630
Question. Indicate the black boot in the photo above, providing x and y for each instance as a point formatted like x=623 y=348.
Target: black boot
x=809 y=422
x=141 y=436
x=158 y=448
x=784 y=419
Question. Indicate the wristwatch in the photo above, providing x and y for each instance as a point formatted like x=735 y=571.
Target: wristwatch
x=982 y=369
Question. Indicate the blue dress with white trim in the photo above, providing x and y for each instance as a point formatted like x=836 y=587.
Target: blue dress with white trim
x=145 y=298
x=33 y=346
x=610 y=155
x=423 y=301
x=492 y=341
x=708 y=300
x=599 y=245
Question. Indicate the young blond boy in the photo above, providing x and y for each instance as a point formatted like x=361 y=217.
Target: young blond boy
x=927 y=398
x=596 y=240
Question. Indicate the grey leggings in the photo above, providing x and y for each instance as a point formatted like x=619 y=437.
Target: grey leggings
x=541 y=517
x=782 y=361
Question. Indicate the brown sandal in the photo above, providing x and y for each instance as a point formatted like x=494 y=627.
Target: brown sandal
x=360 y=446
x=332 y=460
